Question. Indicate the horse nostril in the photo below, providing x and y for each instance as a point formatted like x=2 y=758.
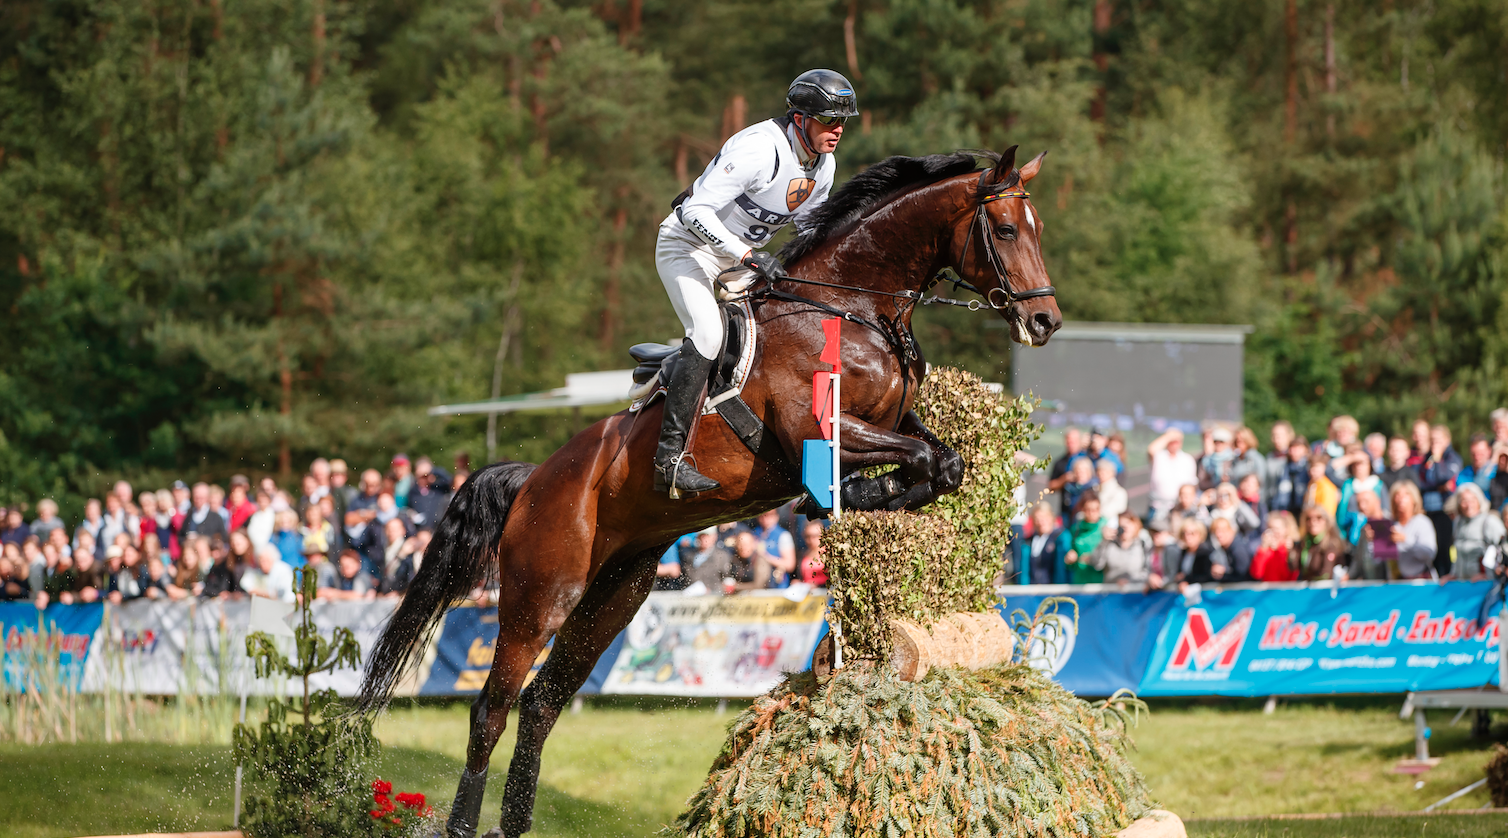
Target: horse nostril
x=1043 y=324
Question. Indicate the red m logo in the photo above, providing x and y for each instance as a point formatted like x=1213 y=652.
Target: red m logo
x=1200 y=644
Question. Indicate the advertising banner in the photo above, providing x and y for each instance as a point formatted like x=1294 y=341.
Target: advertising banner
x=714 y=646
x=1381 y=639
x=30 y=636
x=1108 y=649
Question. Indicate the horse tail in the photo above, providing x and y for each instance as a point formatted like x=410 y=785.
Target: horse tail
x=458 y=558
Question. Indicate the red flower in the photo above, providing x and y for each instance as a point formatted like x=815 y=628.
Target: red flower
x=381 y=786
x=411 y=801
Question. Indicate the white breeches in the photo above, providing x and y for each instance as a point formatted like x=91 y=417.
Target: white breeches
x=688 y=268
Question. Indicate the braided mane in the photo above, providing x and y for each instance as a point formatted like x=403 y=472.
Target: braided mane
x=875 y=187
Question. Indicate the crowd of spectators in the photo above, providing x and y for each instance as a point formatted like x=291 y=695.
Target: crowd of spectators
x=757 y=554
x=207 y=540
x=1343 y=507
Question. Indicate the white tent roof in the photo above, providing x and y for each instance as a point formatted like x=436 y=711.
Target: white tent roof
x=582 y=389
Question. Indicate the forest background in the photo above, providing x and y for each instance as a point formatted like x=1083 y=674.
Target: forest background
x=237 y=234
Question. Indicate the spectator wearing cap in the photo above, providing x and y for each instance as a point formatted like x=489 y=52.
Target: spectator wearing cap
x=1172 y=468
x=47 y=519
x=202 y=520
x=1073 y=448
x=402 y=474
x=269 y=576
x=1219 y=453
x=182 y=501
x=1099 y=449
x=430 y=494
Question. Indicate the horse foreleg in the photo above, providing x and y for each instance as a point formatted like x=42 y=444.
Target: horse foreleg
x=608 y=607
x=532 y=605
x=948 y=474
x=866 y=445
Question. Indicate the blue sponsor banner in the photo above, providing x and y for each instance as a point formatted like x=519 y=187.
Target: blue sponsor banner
x=1113 y=642
x=465 y=648
x=71 y=627
x=1373 y=639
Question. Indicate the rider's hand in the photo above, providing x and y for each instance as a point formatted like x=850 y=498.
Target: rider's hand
x=763 y=263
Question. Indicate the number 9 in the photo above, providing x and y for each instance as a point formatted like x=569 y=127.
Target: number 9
x=757 y=233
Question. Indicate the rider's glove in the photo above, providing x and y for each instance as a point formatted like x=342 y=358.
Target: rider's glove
x=765 y=264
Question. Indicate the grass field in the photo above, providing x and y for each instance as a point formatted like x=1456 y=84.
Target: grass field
x=620 y=769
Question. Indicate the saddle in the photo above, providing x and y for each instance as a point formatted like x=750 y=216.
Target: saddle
x=656 y=365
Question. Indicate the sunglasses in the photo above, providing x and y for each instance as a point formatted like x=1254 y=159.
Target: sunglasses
x=830 y=121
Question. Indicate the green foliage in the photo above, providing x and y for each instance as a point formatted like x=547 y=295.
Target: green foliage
x=1000 y=751
x=309 y=763
x=885 y=565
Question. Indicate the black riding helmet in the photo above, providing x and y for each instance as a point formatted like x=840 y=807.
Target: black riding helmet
x=822 y=93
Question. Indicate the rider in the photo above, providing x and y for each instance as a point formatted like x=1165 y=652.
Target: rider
x=764 y=177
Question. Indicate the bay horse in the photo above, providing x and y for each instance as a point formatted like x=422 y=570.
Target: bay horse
x=575 y=540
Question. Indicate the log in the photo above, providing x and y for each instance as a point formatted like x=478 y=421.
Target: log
x=968 y=640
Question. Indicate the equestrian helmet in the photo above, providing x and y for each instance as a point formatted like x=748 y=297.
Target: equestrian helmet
x=822 y=93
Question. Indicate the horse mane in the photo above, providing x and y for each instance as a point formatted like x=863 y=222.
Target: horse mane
x=875 y=187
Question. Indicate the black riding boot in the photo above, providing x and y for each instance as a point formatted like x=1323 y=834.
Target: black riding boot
x=683 y=401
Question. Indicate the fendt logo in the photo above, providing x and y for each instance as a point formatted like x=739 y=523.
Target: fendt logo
x=1202 y=653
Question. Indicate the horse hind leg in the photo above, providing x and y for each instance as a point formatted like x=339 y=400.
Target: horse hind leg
x=607 y=608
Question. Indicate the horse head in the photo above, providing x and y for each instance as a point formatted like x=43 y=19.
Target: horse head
x=999 y=247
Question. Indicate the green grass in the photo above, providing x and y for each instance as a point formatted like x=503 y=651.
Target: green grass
x=622 y=768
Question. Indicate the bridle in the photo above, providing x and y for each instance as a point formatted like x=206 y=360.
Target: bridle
x=992 y=253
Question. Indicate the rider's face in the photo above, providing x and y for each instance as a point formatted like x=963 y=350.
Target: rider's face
x=822 y=139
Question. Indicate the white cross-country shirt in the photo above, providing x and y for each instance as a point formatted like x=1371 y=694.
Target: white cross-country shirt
x=753 y=187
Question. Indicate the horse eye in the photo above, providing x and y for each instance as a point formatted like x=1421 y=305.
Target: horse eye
x=1006 y=231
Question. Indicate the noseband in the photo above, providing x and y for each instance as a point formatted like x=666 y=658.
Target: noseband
x=992 y=254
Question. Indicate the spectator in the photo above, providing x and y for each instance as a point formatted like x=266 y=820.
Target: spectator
x=1099 y=449
x=1357 y=463
x=1249 y=492
x=84 y=543
x=316 y=533
x=1397 y=464
x=182 y=502
x=778 y=548
x=752 y=569
x=1321 y=492
x=1482 y=468
x=47 y=519
x=1172 y=468
x=16 y=531
x=147 y=520
x=1073 y=447
x=128 y=576
x=14 y=585
x=1275 y=560
x=397 y=558
x=1188 y=506
x=1478 y=532
x=1190 y=559
x=1437 y=481
x=813 y=566
x=59 y=540
x=1080 y=480
x=1117 y=446
x=122 y=493
x=1219 y=454
x=710 y=563
x=430 y=495
x=1225 y=502
x=74 y=581
x=1364 y=560
x=1294 y=481
x=668 y=575
x=1497 y=493
x=346 y=579
x=269 y=576
x=188 y=576
x=263 y=522
x=223 y=580
x=1276 y=463
x=94 y=521
x=201 y=519
x=1248 y=459
x=240 y=506
x=1344 y=432
x=1376 y=446
x=1419 y=436
x=1113 y=497
x=1414 y=533
x=242 y=553
x=1127 y=558
x=287 y=538
x=217 y=504
x=1040 y=554
x=402 y=474
x=158 y=578
x=1499 y=420
x=363 y=508
x=1230 y=551
x=339 y=487
x=1320 y=547
x=310 y=493
x=1084 y=535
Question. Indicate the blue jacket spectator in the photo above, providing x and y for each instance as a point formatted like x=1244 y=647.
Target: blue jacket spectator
x=430 y=494
x=1439 y=471
x=1481 y=470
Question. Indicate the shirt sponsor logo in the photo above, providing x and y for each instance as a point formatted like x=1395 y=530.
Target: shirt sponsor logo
x=759 y=213
x=798 y=191
x=1204 y=654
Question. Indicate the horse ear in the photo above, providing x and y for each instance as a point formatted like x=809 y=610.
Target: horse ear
x=1006 y=165
x=1030 y=170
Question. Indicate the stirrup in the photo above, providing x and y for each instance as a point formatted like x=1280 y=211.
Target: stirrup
x=667 y=482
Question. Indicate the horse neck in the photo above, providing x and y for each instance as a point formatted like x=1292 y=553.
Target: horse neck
x=899 y=247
